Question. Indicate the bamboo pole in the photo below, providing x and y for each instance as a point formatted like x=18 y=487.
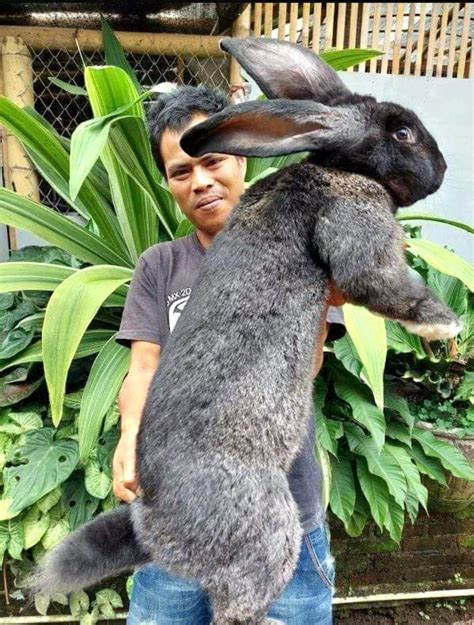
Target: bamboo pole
x=397 y=45
x=364 y=33
x=464 y=38
x=257 y=20
x=91 y=40
x=452 y=41
x=409 y=44
x=17 y=76
x=432 y=39
x=293 y=21
x=305 y=25
x=281 y=20
x=421 y=39
x=341 y=25
x=387 y=33
x=375 y=34
x=240 y=28
x=328 y=42
x=268 y=19
x=441 y=40
x=316 y=25
x=354 y=7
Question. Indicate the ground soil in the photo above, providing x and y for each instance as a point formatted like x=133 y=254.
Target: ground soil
x=429 y=613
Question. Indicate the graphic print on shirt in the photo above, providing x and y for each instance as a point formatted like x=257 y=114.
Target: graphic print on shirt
x=176 y=303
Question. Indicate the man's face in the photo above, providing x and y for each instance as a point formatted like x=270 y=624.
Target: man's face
x=206 y=188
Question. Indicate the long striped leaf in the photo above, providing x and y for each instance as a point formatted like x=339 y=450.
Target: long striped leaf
x=71 y=308
x=342 y=59
x=416 y=216
x=52 y=160
x=110 y=88
x=342 y=493
x=368 y=334
x=103 y=384
x=44 y=277
x=92 y=342
x=443 y=260
x=375 y=491
x=114 y=54
x=21 y=212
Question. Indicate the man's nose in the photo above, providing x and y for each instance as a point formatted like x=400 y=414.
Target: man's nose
x=201 y=179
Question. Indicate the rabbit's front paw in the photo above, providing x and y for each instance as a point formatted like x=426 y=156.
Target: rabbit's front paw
x=434 y=331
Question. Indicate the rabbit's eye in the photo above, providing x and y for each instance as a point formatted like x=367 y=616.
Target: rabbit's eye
x=403 y=134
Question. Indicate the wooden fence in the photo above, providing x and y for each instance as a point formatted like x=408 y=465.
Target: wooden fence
x=418 y=39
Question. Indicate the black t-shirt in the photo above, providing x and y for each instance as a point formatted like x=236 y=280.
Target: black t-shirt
x=159 y=290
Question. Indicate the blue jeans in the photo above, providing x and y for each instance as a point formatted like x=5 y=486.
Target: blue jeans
x=159 y=598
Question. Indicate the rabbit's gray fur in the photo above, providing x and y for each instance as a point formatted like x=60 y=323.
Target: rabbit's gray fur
x=227 y=408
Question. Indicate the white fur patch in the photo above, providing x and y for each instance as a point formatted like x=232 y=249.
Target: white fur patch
x=433 y=331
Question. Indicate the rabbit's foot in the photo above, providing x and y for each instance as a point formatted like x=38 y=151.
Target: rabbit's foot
x=433 y=331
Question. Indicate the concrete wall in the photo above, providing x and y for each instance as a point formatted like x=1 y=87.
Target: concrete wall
x=446 y=107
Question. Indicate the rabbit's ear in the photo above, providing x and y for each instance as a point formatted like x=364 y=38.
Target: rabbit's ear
x=286 y=70
x=273 y=127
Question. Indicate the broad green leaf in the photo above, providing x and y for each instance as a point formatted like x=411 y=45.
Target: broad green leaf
x=342 y=494
x=466 y=389
x=15 y=341
x=355 y=526
x=42 y=602
x=380 y=463
x=56 y=533
x=375 y=491
x=402 y=341
x=411 y=473
x=21 y=212
x=323 y=433
x=35 y=525
x=107 y=595
x=342 y=59
x=71 y=308
x=450 y=290
x=52 y=160
x=79 y=603
x=428 y=465
x=114 y=54
x=47 y=463
x=443 y=260
x=19 y=422
x=449 y=455
x=97 y=482
x=46 y=503
x=91 y=343
x=399 y=432
x=395 y=520
x=80 y=504
x=103 y=384
x=363 y=410
x=397 y=403
x=367 y=332
x=12 y=538
x=346 y=353
x=410 y=215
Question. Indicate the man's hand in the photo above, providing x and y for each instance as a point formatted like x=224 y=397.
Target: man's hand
x=123 y=467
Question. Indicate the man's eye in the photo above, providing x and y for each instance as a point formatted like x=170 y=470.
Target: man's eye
x=214 y=161
x=180 y=175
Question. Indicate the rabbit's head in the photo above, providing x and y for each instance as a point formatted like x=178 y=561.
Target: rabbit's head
x=310 y=109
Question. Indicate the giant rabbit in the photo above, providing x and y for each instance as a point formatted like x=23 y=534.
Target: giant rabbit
x=227 y=408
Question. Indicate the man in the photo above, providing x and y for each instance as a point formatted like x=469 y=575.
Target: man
x=206 y=189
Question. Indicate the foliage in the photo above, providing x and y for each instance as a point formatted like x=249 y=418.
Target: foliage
x=60 y=309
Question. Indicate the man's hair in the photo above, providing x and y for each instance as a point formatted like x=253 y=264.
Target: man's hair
x=175 y=110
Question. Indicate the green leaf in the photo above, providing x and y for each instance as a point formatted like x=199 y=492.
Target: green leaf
x=56 y=533
x=49 y=501
x=323 y=432
x=52 y=160
x=342 y=59
x=357 y=522
x=12 y=538
x=42 y=602
x=79 y=603
x=399 y=432
x=114 y=53
x=21 y=212
x=393 y=401
x=74 y=89
x=411 y=473
x=363 y=410
x=47 y=463
x=428 y=465
x=402 y=341
x=450 y=290
x=466 y=389
x=380 y=463
x=346 y=353
x=107 y=595
x=80 y=504
x=19 y=422
x=443 y=260
x=342 y=494
x=71 y=308
x=395 y=520
x=367 y=332
x=184 y=229
x=35 y=525
x=410 y=215
x=375 y=491
x=103 y=384
x=91 y=343
x=97 y=482
x=449 y=455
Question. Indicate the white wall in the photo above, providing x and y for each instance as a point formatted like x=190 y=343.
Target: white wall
x=446 y=107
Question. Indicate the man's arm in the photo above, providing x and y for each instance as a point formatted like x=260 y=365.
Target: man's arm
x=131 y=401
